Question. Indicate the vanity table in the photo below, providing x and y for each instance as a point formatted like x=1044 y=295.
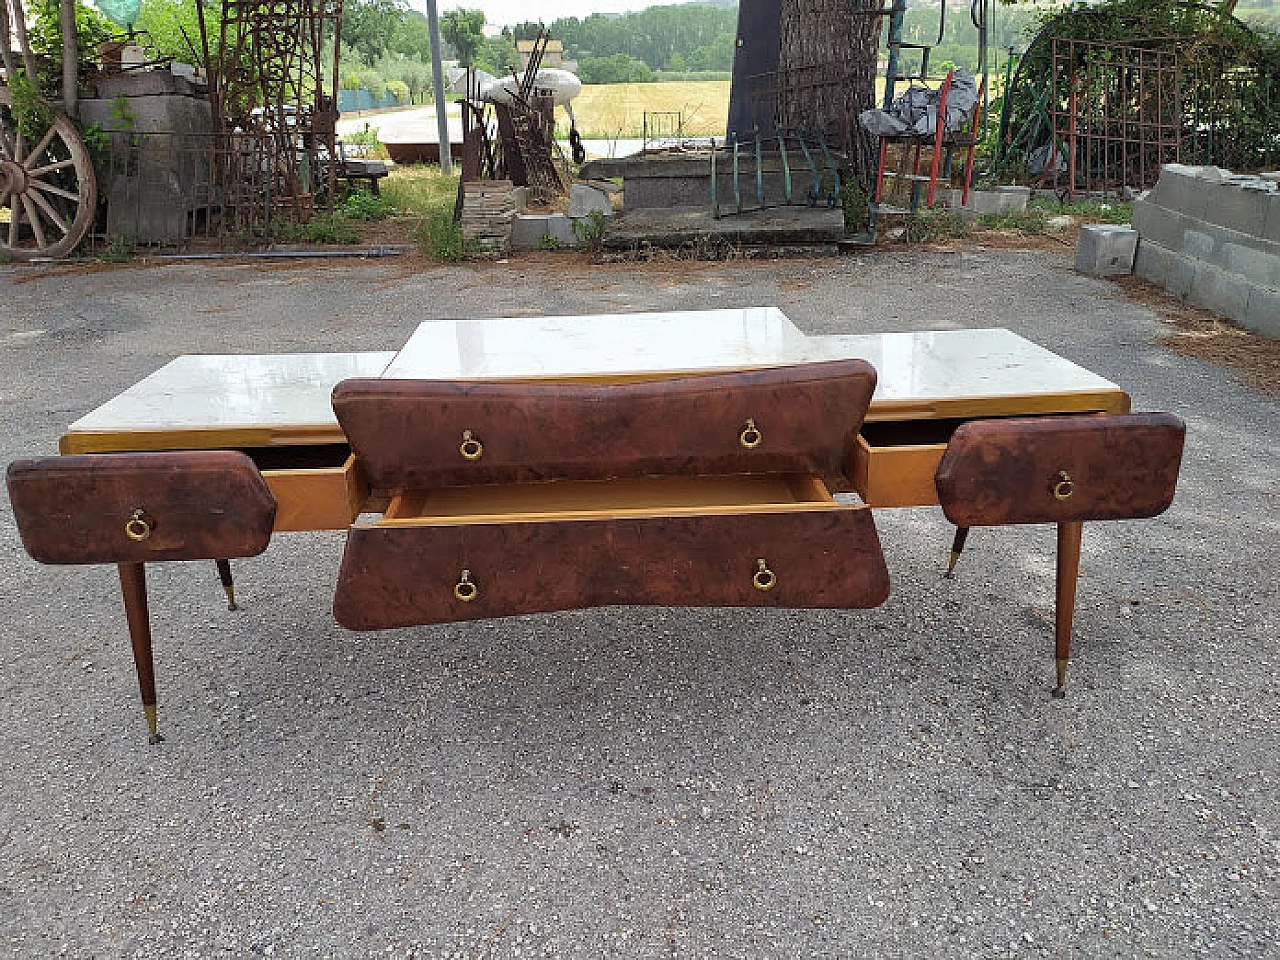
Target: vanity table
x=506 y=466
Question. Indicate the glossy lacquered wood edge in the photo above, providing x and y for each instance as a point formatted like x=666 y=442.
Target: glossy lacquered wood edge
x=1017 y=405
x=213 y=438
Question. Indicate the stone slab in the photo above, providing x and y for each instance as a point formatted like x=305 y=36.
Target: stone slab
x=674 y=227
x=528 y=231
x=585 y=199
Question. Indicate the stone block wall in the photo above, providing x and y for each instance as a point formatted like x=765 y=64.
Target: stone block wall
x=1213 y=238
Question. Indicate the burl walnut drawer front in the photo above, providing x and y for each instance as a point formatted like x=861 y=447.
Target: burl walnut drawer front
x=140 y=507
x=407 y=575
x=1060 y=469
x=418 y=434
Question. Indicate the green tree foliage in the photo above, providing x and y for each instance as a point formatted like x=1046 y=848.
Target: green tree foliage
x=618 y=68
x=92 y=28
x=464 y=29
x=369 y=26
x=412 y=37
x=498 y=55
x=702 y=36
x=173 y=29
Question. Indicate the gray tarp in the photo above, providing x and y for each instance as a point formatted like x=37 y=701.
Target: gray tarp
x=917 y=109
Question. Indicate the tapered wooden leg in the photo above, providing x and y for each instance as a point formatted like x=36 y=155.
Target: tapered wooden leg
x=1069 y=536
x=957 y=547
x=133 y=583
x=224 y=574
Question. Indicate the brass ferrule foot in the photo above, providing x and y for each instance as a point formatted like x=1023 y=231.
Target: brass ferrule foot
x=231 y=598
x=951 y=567
x=1060 y=691
x=150 y=710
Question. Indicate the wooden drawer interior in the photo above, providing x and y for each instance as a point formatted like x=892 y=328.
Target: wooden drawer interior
x=317 y=487
x=894 y=463
x=644 y=497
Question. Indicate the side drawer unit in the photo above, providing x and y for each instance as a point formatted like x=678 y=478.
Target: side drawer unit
x=1061 y=469
x=141 y=507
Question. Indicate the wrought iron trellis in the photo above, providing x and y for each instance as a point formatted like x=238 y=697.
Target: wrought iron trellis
x=1115 y=111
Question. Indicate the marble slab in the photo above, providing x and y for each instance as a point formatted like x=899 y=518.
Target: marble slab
x=599 y=346
x=918 y=367
x=234 y=392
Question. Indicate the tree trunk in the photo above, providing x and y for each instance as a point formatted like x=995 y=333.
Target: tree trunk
x=6 y=36
x=70 y=58
x=827 y=69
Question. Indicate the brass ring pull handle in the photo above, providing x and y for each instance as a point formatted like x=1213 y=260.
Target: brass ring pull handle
x=765 y=579
x=471 y=448
x=139 y=526
x=465 y=590
x=750 y=436
x=1065 y=487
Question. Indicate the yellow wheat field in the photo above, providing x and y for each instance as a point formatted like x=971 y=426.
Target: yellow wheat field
x=617 y=109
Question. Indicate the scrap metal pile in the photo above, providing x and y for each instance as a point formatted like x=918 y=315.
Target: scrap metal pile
x=510 y=134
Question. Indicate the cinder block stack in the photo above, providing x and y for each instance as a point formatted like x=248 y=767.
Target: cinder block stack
x=1213 y=238
x=488 y=207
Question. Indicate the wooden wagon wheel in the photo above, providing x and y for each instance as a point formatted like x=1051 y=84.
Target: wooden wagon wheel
x=48 y=193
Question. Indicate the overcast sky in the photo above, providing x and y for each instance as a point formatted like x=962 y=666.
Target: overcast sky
x=504 y=12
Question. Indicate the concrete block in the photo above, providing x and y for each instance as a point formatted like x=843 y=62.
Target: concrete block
x=1259 y=268
x=521 y=195
x=1152 y=261
x=1181 y=275
x=528 y=230
x=1232 y=205
x=1181 y=189
x=1154 y=221
x=1262 y=314
x=1197 y=244
x=1106 y=250
x=1214 y=289
x=1271 y=228
x=585 y=199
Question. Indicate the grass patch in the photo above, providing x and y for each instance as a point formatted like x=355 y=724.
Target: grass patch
x=440 y=238
x=363 y=205
x=419 y=190
x=935 y=225
x=321 y=228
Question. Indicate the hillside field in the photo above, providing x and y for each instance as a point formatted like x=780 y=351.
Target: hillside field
x=617 y=109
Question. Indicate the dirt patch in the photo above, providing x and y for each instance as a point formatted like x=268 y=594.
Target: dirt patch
x=1206 y=336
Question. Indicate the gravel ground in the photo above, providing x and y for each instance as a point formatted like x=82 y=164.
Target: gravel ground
x=648 y=782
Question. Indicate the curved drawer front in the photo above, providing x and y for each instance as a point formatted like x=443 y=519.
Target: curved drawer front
x=140 y=507
x=405 y=575
x=1061 y=469
x=417 y=434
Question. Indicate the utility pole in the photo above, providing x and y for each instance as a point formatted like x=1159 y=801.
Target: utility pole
x=437 y=69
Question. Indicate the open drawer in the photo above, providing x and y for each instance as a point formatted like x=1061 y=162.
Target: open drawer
x=478 y=552
x=317 y=487
x=893 y=463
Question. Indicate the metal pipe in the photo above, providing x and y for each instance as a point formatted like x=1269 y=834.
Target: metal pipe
x=366 y=252
x=897 y=15
x=437 y=69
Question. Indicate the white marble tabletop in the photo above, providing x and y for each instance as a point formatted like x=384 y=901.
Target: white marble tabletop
x=285 y=398
x=231 y=392
x=919 y=369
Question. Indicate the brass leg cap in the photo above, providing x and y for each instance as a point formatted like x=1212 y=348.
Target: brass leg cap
x=231 y=599
x=150 y=710
x=1060 y=691
x=951 y=567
